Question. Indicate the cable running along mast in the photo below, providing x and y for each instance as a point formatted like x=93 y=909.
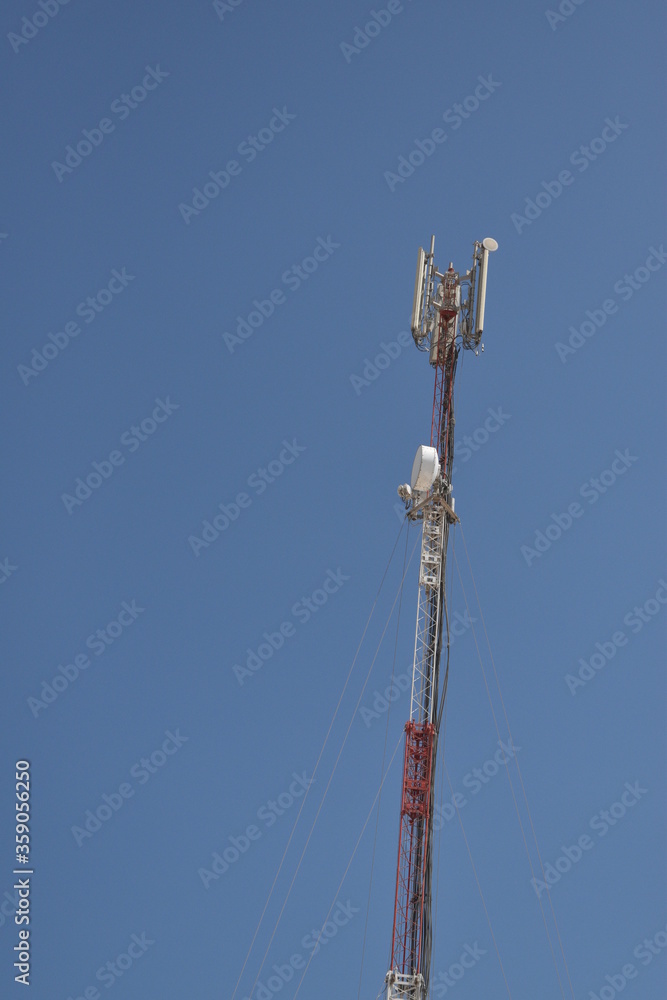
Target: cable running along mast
x=447 y=316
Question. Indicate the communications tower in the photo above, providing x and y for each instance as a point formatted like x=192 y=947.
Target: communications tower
x=447 y=316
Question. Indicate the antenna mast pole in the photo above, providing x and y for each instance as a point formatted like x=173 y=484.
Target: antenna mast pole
x=447 y=316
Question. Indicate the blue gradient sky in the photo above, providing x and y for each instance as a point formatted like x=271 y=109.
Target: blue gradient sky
x=158 y=381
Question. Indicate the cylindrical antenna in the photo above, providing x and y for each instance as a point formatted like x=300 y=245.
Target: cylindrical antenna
x=488 y=245
x=419 y=294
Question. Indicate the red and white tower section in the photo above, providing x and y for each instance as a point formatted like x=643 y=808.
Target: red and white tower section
x=447 y=317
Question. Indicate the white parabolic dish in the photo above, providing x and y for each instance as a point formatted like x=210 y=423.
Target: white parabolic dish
x=425 y=468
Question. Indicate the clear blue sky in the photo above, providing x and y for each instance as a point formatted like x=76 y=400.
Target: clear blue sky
x=134 y=358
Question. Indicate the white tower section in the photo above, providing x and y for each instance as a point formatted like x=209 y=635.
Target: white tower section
x=428 y=614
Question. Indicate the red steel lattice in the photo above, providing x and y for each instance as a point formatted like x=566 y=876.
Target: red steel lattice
x=412 y=845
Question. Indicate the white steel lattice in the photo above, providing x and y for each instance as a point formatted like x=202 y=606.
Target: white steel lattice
x=405 y=987
x=428 y=613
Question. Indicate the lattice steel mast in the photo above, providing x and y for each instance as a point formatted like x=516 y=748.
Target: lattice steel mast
x=447 y=315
